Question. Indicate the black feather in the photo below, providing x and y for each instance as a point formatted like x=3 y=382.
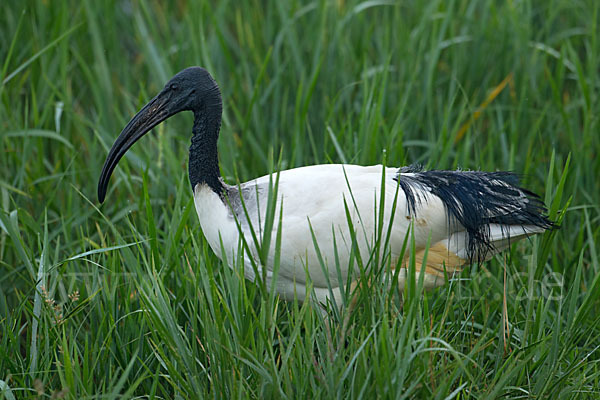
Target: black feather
x=475 y=199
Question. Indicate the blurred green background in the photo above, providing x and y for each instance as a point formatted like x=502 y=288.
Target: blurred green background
x=490 y=85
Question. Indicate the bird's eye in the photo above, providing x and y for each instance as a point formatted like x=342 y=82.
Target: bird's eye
x=173 y=86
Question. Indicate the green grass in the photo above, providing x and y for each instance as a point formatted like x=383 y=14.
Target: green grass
x=159 y=316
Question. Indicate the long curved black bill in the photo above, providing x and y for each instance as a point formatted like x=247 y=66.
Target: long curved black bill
x=152 y=114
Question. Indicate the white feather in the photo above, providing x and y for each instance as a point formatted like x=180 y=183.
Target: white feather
x=312 y=200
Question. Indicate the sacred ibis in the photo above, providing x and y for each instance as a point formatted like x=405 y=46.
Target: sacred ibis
x=464 y=216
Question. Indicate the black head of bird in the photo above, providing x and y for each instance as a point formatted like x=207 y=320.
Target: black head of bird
x=192 y=89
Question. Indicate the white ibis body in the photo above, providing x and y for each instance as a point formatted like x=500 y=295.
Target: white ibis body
x=330 y=214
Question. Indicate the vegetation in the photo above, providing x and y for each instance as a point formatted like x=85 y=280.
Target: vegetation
x=127 y=300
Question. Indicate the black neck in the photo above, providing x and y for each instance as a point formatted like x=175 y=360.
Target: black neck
x=204 y=160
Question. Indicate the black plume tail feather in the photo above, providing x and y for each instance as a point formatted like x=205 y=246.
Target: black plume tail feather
x=476 y=199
